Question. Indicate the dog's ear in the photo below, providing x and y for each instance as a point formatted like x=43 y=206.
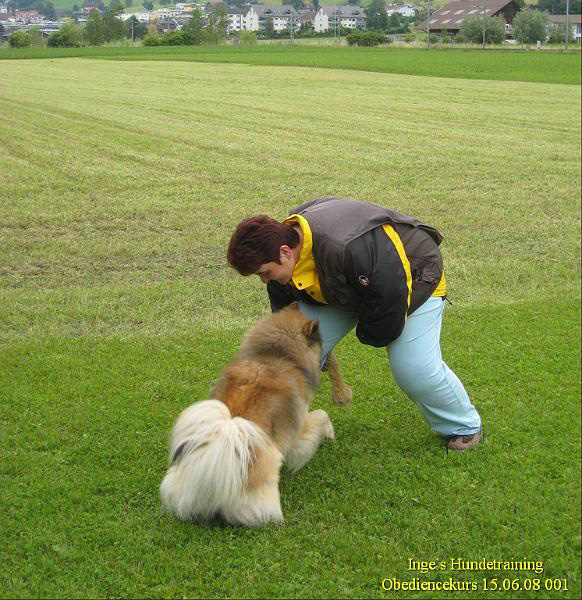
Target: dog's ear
x=311 y=331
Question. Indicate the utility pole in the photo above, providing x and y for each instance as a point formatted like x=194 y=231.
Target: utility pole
x=484 y=17
x=567 y=30
x=428 y=27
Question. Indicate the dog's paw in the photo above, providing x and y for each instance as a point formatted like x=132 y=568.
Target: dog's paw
x=342 y=396
x=326 y=426
x=329 y=432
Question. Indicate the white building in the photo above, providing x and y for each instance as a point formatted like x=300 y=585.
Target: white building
x=349 y=17
x=250 y=20
x=406 y=10
x=166 y=13
x=235 y=18
x=143 y=17
x=284 y=17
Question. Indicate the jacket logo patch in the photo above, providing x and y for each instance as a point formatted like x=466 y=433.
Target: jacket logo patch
x=363 y=280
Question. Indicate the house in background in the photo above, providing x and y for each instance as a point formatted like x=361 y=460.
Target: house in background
x=406 y=10
x=283 y=15
x=235 y=18
x=575 y=21
x=328 y=18
x=450 y=17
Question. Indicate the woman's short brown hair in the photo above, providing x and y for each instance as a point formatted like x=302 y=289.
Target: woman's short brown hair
x=257 y=241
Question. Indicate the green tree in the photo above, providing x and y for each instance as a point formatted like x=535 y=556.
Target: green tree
x=93 y=31
x=529 y=26
x=148 y=5
x=366 y=38
x=217 y=25
x=248 y=38
x=20 y=39
x=194 y=28
x=134 y=29
x=113 y=27
x=36 y=37
x=376 y=16
x=472 y=30
x=151 y=39
x=68 y=36
x=556 y=33
x=173 y=38
x=397 y=23
x=269 y=29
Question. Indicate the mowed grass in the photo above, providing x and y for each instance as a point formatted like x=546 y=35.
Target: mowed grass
x=507 y=65
x=120 y=185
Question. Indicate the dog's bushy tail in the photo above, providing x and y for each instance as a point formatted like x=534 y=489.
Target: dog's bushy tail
x=210 y=456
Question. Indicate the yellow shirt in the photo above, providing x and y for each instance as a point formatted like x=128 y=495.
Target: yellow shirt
x=305 y=275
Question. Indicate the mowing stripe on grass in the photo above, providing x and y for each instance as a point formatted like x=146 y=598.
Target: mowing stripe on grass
x=507 y=65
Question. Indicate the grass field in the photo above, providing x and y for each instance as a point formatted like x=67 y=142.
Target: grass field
x=120 y=183
x=546 y=67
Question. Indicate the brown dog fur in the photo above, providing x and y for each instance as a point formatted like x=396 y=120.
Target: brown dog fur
x=226 y=453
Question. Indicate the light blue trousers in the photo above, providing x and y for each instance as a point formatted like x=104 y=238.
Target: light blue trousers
x=416 y=362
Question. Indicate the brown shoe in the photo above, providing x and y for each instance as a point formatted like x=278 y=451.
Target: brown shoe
x=460 y=443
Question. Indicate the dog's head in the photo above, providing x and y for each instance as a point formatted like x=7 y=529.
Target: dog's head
x=309 y=328
x=301 y=340
x=290 y=335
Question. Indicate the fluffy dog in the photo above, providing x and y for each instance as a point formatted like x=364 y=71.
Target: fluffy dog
x=226 y=453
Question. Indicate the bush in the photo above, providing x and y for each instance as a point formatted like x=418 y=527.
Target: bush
x=151 y=39
x=68 y=36
x=472 y=30
x=248 y=38
x=529 y=26
x=367 y=38
x=20 y=39
x=556 y=33
x=174 y=38
x=409 y=37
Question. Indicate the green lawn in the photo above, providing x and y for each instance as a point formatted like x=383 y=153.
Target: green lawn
x=507 y=65
x=120 y=183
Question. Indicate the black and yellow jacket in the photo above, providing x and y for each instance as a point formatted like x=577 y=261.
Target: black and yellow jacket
x=376 y=262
